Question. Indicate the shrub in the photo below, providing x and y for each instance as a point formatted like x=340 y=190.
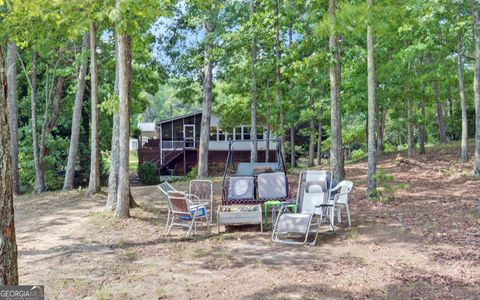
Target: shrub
x=385 y=186
x=147 y=173
x=358 y=154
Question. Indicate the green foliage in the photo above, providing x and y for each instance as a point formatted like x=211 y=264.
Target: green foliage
x=358 y=154
x=148 y=173
x=386 y=187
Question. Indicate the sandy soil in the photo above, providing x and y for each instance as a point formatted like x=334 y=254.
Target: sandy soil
x=424 y=244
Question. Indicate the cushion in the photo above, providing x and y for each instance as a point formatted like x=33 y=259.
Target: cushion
x=241 y=188
x=201 y=213
x=272 y=185
x=315 y=188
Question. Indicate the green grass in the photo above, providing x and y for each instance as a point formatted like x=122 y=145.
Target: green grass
x=133 y=161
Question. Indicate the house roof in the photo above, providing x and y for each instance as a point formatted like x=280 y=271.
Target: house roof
x=146 y=126
x=178 y=117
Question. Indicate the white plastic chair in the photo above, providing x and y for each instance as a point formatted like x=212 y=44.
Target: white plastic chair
x=341 y=199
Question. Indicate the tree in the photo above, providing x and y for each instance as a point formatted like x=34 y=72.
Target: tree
x=461 y=89
x=278 y=97
x=8 y=245
x=311 y=144
x=440 y=118
x=124 y=93
x=39 y=178
x=476 y=86
x=94 y=182
x=12 y=112
x=209 y=27
x=77 y=113
x=409 y=127
x=372 y=164
x=253 y=116
x=336 y=151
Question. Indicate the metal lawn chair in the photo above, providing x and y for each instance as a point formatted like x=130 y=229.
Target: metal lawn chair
x=165 y=187
x=202 y=190
x=185 y=212
x=312 y=202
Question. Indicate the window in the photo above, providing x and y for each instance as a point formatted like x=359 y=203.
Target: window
x=178 y=130
x=259 y=133
x=246 y=133
x=213 y=133
x=238 y=133
x=228 y=133
x=167 y=131
x=221 y=134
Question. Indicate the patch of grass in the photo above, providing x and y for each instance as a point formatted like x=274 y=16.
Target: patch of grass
x=133 y=161
x=103 y=294
x=200 y=252
x=352 y=234
x=129 y=256
x=101 y=218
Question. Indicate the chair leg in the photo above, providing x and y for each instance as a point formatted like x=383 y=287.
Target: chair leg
x=171 y=224
x=348 y=215
x=339 y=214
x=168 y=220
x=190 y=228
x=332 y=215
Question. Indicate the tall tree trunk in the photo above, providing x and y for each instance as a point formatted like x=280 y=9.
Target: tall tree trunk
x=124 y=93
x=94 y=182
x=206 y=106
x=381 y=130
x=293 y=162
x=336 y=151
x=311 y=145
x=372 y=163
x=409 y=127
x=12 y=113
x=278 y=99
x=253 y=118
x=49 y=122
x=320 y=124
x=267 y=101
x=8 y=245
x=461 y=87
x=320 y=136
x=114 y=155
x=39 y=178
x=450 y=114
x=476 y=87
x=440 y=118
x=422 y=134
x=76 y=118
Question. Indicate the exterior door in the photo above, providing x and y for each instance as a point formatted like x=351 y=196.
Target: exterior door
x=189 y=135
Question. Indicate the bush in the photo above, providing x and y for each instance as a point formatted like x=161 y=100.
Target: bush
x=386 y=187
x=358 y=154
x=147 y=174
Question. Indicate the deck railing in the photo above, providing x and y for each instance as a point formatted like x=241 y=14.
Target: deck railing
x=178 y=144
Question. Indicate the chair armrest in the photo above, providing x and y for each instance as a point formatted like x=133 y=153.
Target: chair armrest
x=335 y=188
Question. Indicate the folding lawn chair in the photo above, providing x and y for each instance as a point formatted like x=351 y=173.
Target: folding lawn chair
x=203 y=191
x=185 y=212
x=165 y=187
x=312 y=201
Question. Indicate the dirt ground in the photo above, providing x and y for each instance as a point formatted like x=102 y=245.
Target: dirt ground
x=424 y=244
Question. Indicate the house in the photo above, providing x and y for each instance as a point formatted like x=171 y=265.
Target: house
x=174 y=148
